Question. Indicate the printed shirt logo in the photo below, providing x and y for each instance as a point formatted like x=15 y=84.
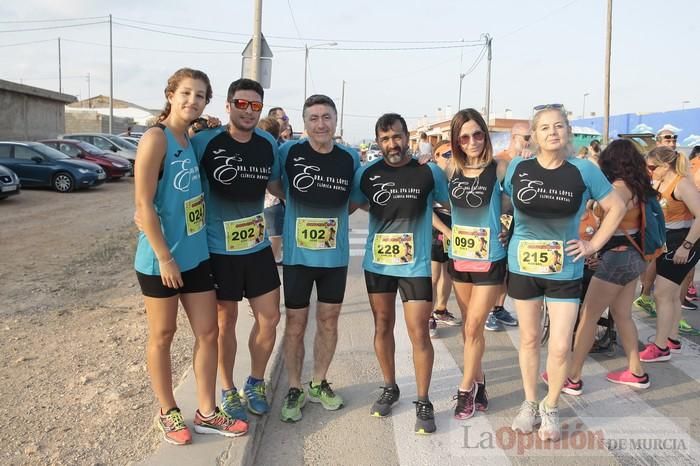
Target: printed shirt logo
x=183 y=178
x=304 y=180
x=529 y=192
x=471 y=192
x=225 y=174
x=383 y=195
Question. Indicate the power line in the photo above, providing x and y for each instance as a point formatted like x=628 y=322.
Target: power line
x=53 y=27
x=299 y=38
x=212 y=52
x=27 y=43
x=392 y=49
x=52 y=20
x=531 y=23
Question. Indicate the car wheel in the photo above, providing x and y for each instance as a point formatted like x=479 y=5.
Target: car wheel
x=63 y=182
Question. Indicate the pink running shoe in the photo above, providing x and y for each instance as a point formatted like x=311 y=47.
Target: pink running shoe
x=673 y=346
x=653 y=353
x=628 y=378
x=570 y=387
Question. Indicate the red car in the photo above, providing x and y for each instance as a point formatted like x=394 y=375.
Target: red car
x=114 y=166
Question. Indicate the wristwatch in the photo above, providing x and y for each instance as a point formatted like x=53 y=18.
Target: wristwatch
x=687 y=244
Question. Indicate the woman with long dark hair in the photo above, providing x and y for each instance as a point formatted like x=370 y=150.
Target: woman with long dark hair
x=615 y=279
x=477 y=261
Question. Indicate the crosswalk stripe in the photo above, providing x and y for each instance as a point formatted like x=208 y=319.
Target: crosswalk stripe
x=618 y=410
x=446 y=446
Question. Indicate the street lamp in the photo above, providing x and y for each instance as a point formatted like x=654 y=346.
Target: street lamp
x=583 y=110
x=683 y=104
x=306 y=59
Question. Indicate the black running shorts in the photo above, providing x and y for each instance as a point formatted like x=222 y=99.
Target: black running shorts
x=299 y=282
x=494 y=276
x=249 y=275
x=410 y=288
x=526 y=288
x=196 y=280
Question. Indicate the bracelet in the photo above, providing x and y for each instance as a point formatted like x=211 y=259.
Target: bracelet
x=167 y=262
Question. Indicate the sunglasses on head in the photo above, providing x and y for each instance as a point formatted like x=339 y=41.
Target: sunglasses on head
x=478 y=136
x=545 y=106
x=242 y=104
x=668 y=137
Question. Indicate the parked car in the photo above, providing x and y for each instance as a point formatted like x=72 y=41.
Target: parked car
x=9 y=182
x=131 y=139
x=134 y=134
x=373 y=152
x=114 y=166
x=107 y=142
x=40 y=165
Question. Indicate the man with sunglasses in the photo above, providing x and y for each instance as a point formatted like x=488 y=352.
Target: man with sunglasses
x=317 y=177
x=240 y=162
x=399 y=194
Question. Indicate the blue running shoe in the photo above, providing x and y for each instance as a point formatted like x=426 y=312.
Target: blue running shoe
x=256 y=398
x=231 y=405
x=492 y=324
x=504 y=317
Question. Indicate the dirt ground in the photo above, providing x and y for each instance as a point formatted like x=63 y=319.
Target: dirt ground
x=73 y=381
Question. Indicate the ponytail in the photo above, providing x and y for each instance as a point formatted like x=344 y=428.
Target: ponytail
x=681 y=164
x=164 y=114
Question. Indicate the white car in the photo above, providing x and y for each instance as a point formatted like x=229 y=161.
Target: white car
x=373 y=152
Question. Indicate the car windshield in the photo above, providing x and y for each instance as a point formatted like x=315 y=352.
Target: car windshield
x=120 y=142
x=90 y=149
x=374 y=147
x=50 y=152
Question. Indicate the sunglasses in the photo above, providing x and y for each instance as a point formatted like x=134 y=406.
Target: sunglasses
x=668 y=137
x=652 y=167
x=242 y=104
x=545 y=106
x=446 y=155
x=525 y=136
x=284 y=118
x=477 y=136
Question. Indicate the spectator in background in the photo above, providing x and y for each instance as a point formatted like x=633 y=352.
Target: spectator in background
x=582 y=153
x=519 y=142
x=425 y=149
x=286 y=134
x=281 y=116
x=594 y=151
x=274 y=207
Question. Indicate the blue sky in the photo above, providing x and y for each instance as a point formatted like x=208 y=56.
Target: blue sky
x=543 y=52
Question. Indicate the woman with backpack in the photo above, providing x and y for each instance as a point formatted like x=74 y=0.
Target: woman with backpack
x=618 y=269
x=680 y=201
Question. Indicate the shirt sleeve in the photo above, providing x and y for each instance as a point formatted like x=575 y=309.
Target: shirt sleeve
x=356 y=194
x=441 y=190
x=201 y=140
x=282 y=154
x=275 y=173
x=597 y=184
x=507 y=183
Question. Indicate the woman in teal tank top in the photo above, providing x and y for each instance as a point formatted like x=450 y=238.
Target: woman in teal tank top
x=172 y=258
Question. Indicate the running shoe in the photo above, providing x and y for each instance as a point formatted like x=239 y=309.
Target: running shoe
x=446 y=318
x=173 y=427
x=570 y=387
x=492 y=324
x=646 y=304
x=504 y=317
x=232 y=406
x=465 y=403
x=550 y=428
x=675 y=347
x=692 y=293
x=688 y=306
x=292 y=404
x=685 y=327
x=482 y=400
x=425 y=418
x=256 y=398
x=323 y=393
x=628 y=378
x=388 y=398
x=219 y=423
x=432 y=328
x=653 y=353
x=527 y=418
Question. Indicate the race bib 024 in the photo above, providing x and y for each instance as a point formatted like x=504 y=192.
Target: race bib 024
x=244 y=233
x=470 y=242
x=541 y=257
x=393 y=249
x=316 y=233
x=194 y=214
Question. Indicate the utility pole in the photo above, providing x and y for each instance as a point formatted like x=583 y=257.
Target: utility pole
x=111 y=78
x=606 y=103
x=487 y=107
x=60 y=85
x=88 y=97
x=461 y=78
x=257 y=39
x=583 y=110
x=342 y=109
x=306 y=66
